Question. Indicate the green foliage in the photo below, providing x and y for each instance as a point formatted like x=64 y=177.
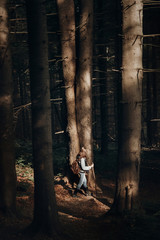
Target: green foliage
x=103 y=163
x=24 y=153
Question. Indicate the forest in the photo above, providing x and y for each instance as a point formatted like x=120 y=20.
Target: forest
x=79 y=79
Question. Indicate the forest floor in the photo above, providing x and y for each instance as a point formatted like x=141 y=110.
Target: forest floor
x=85 y=217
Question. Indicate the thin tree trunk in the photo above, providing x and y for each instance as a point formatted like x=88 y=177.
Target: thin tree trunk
x=45 y=209
x=130 y=136
x=84 y=82
x=154 y=89
x=66 y=15
x=7 y=152
x=149 y=98
x=102 y=64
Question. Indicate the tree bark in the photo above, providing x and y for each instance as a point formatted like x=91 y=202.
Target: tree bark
x=102 y=66
x=66 y=15
x=7 y=151
x=45 y=209
x=84 y=82
x=126 y=197
x=149 y=98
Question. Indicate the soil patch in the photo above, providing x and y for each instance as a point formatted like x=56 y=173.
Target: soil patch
x=84 y=217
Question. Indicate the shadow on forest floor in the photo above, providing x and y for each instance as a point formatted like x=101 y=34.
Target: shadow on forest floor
x=85 y=217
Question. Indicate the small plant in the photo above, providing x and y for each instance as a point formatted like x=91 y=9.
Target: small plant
x=24 y=153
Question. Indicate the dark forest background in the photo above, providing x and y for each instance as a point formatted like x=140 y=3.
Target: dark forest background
x=106 y=74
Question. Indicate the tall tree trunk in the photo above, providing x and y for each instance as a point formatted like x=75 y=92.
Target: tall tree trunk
x=66 y=15
x=126 y=197
x=7 y=153
x=84 y=82
x=149 y=97
x=45 y=210
x=102 y=65
x=154 y=89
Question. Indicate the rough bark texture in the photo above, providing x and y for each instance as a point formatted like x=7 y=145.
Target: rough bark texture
x=45 y=210
x=130 y=138
x=149 y=98
x=67 y=26
x=84 y=82
x=7 y=154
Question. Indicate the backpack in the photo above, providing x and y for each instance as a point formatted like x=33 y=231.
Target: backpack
x=75 y=167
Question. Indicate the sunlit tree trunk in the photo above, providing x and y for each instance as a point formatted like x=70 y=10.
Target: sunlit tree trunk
x=130 y=134
x=66 y=15
x=7 y=154
x=84 y=81
x=45 y=210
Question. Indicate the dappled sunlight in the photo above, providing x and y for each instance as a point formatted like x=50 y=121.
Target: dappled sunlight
x=83 y=207
x=80 y=65
x=5 y=99
x=82 y=215
x=87 y=78
x=3 y=32
x=69 y=56
x=61 y=1
x=3 y=36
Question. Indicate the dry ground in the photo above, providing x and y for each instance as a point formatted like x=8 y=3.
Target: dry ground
x=83 y=217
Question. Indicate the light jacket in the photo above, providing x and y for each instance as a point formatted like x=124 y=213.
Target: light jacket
x=83 y=165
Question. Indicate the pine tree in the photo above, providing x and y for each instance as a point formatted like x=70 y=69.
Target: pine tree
x=84 y=82
x=66 y=15
x=126 y=197
x=7 y=151
x=45 y=209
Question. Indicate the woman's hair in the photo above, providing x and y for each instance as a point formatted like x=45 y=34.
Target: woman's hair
x=78 y=156
x=82 y=152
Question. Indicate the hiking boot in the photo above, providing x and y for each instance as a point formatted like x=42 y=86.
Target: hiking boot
x=87 y=193
x=75 y=193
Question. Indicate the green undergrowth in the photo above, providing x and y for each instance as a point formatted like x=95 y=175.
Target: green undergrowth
x=103 y=163
x=139 y=226
x=24 y=152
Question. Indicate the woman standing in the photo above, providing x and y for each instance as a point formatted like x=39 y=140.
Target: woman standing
x=84 y=169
